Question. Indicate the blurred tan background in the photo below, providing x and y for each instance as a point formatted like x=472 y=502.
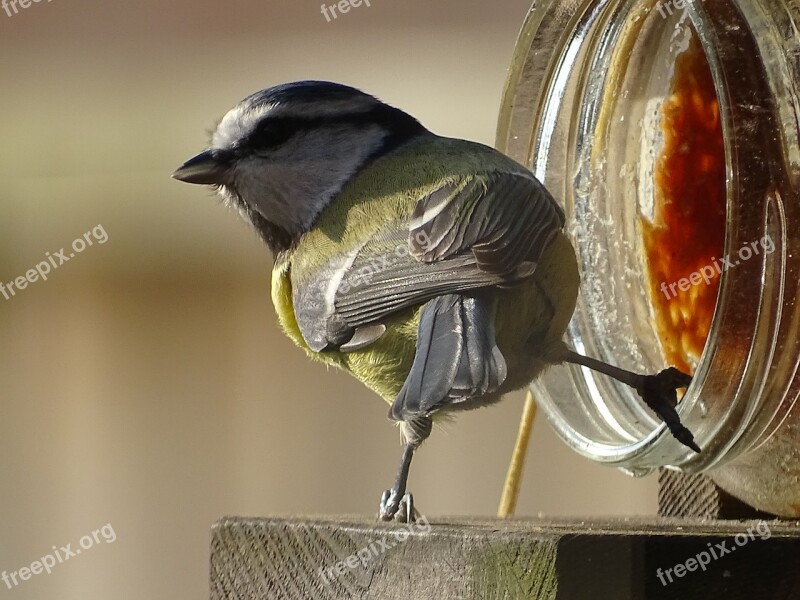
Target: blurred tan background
x=145 y=383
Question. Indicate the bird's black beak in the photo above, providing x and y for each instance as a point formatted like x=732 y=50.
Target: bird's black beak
x=204 y=169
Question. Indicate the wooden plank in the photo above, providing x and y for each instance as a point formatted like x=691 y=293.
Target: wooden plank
x=344 y=558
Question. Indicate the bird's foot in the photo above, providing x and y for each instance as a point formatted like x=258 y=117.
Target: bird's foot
x=660 y=393
x=393 y=506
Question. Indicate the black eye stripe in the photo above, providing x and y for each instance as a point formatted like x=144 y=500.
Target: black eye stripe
x=272 y=132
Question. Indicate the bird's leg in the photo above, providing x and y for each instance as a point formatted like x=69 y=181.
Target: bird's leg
x=396 y=503
x=395 y=498
x=658 y=391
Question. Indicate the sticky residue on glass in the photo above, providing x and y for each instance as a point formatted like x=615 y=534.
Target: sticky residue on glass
x=685 y=240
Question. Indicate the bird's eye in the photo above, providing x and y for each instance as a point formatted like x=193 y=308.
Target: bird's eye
x=271 y=133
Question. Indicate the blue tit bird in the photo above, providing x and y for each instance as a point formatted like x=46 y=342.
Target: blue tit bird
x=434 y=270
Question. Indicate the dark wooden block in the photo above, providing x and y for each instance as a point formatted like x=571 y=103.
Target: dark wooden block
x=292 y=558
x=697 y=496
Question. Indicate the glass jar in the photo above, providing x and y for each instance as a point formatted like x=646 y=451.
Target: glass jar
x=605 y=102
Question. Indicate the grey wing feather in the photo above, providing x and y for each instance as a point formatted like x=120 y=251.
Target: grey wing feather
x=482 y=231
x=506 y=220
x=382 y=280
x=456 y=356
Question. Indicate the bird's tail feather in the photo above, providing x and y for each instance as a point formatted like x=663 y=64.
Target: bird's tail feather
x=456 y=357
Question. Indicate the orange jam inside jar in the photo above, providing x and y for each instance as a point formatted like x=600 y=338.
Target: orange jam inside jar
x=685 y=240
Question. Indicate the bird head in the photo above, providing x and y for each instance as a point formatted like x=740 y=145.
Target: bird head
x=282 y=154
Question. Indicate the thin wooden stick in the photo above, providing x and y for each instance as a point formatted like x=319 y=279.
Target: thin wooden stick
x=508 y=502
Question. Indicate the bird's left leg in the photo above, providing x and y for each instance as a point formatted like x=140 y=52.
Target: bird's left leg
x=456 y=358
x=658 y=391
x=396 y=503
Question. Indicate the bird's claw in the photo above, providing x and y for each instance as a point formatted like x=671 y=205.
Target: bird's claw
x=660 y=393
x=665 y=385
x=394 y=507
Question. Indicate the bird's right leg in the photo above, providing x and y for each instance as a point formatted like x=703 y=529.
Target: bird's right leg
x=658 y=391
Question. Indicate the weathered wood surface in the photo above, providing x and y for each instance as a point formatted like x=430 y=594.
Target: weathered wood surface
x=697 y=496
x=294 y=558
